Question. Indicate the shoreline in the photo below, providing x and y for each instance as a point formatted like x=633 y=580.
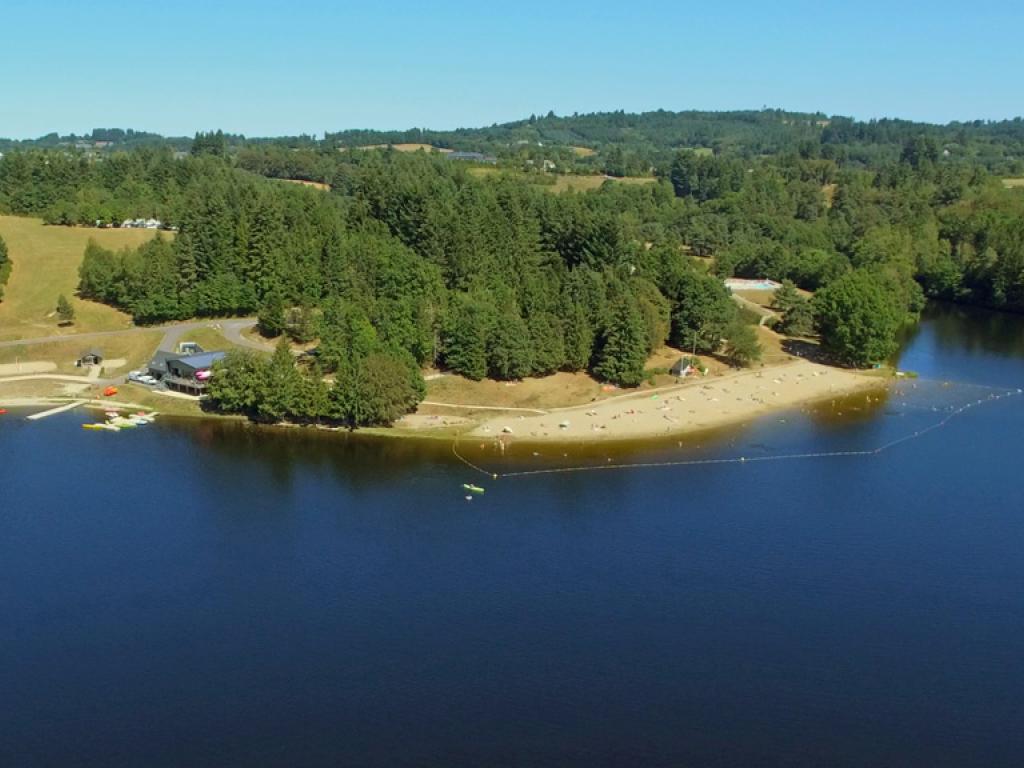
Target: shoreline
x=678 y=410
x=692 y=407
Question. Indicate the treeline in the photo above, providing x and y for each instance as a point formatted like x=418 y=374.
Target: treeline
x=626 y=144
x=368 y=385
x=68 y=188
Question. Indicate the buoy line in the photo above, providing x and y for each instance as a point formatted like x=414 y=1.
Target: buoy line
x=743 y=459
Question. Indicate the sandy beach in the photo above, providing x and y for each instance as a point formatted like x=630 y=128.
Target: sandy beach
x=701 y=403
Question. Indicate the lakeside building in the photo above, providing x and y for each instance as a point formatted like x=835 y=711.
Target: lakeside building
x=188 y=374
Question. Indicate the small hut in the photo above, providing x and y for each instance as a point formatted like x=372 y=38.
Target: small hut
x=682 y=368
x=92 y=357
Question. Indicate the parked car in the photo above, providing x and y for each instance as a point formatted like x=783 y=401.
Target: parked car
x=136 y=375
x=147 y=379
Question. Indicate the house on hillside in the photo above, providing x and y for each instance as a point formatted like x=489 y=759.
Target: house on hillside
x=472 y=157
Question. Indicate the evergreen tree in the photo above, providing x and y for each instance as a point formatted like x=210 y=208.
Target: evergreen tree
x=579 y=339
x=509 y=353
x=65 y=312
x=271 y=315
x=623 y=344
x=702 y=309
x=281 y=386
x=468 y=329
x=5 y=266
x=786 y=297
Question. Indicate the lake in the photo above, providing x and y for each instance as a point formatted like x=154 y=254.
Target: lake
x=214 y=594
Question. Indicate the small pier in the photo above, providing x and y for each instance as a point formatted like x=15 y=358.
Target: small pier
x=54 y=411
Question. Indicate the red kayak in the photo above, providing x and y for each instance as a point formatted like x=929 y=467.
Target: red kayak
x=109 y=391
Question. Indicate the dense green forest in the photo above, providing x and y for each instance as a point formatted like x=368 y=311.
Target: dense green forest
x=413 y=260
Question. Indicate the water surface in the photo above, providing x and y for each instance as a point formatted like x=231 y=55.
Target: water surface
x=215 y=594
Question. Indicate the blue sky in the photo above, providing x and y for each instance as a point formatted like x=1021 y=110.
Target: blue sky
x=264 y=68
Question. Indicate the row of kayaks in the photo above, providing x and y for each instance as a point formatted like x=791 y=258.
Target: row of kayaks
x=116 y=422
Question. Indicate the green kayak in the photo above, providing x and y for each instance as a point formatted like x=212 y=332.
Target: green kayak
x=472 y=488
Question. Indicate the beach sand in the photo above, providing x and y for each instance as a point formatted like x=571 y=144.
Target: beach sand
x=701 y=403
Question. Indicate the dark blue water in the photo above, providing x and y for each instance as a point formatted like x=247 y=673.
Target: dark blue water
x=220 y=595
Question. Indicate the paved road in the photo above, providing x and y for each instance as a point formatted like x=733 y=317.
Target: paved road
x=232 y=330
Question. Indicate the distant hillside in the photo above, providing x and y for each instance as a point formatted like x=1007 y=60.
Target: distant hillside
x=622 y=144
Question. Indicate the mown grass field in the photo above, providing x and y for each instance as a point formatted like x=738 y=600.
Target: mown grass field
x=407 y=147
x=136 y=349
x=560 y=182
x=210 y=339
x=45 y=263
x=1013 y=183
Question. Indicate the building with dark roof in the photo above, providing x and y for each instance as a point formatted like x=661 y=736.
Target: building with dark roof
x=473 y=157
x=92 y=357
x=184 y=373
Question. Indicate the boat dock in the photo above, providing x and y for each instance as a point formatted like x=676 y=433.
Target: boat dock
x=54 y=411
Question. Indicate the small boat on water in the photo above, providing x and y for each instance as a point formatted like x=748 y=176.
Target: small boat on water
x=106 y=427
x=472 y=488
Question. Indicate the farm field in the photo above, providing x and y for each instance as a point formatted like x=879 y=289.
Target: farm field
x=585 y=183
x=408 y=147
x=45 y=263
x=562 y=182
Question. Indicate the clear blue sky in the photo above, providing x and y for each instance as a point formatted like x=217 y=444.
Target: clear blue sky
x=263 y=68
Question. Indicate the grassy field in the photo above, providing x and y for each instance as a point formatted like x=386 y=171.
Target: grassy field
x=1013 y=183
x=135 y=349
x=583 y=151
x=210 y=339
x=561 y=182
x=45 y=263
x=584 y=183
x=559 y=390
x=314 y=184
x=407 y=147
